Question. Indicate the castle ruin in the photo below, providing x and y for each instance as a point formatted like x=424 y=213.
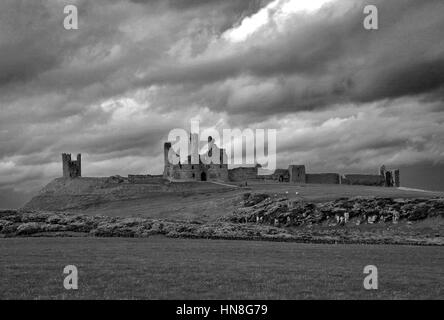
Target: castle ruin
x=205 y=170
x=297 y=174
x=71 y=168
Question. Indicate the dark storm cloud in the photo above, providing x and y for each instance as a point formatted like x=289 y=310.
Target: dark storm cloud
x=34 y=41
x=115 y=41
x=246 y=6
x=414 y=78
x=22 y=56
x=335 y=58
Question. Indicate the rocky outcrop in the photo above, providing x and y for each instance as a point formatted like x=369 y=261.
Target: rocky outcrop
x=264 y=209
x=62 y=224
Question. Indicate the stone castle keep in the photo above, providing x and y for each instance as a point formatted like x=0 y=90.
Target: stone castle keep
x=201 y=171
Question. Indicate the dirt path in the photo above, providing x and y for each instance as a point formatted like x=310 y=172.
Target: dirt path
x=224 y=184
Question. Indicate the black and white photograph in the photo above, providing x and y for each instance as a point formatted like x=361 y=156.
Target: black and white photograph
x=239 y=151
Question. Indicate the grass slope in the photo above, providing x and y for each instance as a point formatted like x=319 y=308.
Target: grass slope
x=204 y=201
x=161 y=268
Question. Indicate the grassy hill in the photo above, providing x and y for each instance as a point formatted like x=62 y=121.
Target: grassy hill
x=204 y=201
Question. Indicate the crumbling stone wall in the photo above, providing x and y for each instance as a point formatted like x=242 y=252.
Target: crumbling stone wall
x=217 y=172
x=363 y=179
x=243 y=173
x=297 y=174
x=281 y=175
x=182 y=172
x=71 y=168
x=197 y=172
x=322 y=178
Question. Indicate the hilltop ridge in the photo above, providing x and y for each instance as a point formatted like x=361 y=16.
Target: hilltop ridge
x=160 y=198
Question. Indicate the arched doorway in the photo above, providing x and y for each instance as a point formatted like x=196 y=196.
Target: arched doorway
x=203 y=176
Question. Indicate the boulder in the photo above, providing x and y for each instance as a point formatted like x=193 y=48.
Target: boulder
x=418 y=213
x=253 y=199
x=29 y=228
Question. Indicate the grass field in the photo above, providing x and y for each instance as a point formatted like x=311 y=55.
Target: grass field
x=162 y=268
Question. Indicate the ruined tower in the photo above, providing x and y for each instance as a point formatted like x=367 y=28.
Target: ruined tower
x=166 y=150
x=71 y=168
x=297 y=173
x=391 y=177
x=396 y=178
x=166 y=161
x=382 y=171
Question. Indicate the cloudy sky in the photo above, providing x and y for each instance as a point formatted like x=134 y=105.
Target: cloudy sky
x=342 y=98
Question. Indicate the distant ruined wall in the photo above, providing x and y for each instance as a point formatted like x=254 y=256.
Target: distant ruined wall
x=297 y=174
x=363 y=179
x=71 y=168
x=281 y=175
x=242 y=174
x=322 y=178
x=217 y=172
x=183 y=172
x=200 y=172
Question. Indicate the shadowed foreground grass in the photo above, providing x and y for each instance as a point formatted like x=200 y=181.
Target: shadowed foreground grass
x=162 y=268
